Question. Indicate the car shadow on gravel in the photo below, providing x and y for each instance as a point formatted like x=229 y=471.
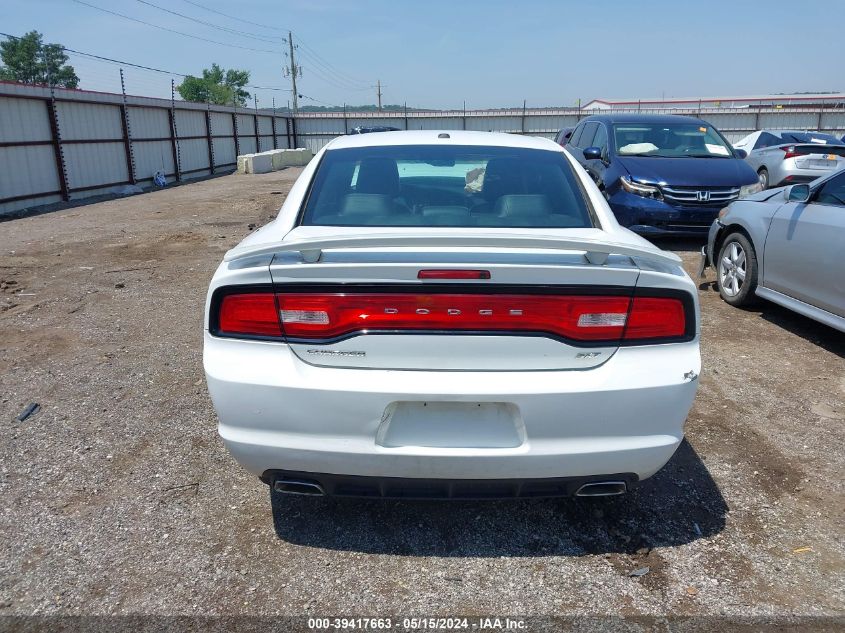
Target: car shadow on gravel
x=678 y=505
x=817 y=333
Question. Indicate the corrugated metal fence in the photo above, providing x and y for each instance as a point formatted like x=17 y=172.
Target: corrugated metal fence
x=69 y=144
x=316 y=129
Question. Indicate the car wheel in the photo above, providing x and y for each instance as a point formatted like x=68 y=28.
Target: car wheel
x=763 y=176
x=737 y=270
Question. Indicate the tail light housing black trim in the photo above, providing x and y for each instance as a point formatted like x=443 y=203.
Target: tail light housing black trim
x=579 y=315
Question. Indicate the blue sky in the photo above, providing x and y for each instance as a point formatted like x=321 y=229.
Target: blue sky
x=436 y=53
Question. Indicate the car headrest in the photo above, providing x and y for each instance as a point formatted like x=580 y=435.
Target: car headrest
x=366 y=204
x=378 y=175
x=525 y=205
x=445 y=210
x=501 y=176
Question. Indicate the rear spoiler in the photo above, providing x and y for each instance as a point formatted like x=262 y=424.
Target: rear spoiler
x=815 y=148
x=595 y=251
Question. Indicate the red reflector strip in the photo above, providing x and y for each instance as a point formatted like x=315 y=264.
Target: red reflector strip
x=453 y=274
x=655 y=317
x=251 y=314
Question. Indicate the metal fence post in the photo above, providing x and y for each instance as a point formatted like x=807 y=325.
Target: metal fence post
x=287 y=131
x=273 y=125
x=255 y=125
x=56 y=137
x=522 y=124
x=293 y=131
x=235 y=132
x=209 y=138
x=127 y=134
x=174 y=136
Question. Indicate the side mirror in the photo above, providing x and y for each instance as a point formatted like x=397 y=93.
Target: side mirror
x=740 y=153
x=797 y=193
x=592 y=153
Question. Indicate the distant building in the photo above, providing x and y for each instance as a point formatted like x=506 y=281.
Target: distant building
x=825 y=100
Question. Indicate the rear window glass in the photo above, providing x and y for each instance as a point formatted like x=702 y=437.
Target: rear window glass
x=431 y=185
x=809 y=137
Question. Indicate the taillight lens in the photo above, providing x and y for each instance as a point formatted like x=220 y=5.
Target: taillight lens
x=575 y=317
x=655 y=317
x=251 y=314
x=790 y=152
x=348 y=313
x=325 y=316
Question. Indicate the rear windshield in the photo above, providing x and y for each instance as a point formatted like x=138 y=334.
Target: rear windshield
x=430 y=185
x=809 y=137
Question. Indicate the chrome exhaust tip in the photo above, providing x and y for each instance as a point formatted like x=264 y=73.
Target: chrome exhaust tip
x=602 y=489
x=298 y=487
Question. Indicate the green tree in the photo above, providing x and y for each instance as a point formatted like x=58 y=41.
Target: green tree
x=218 y=86
x=28 y=60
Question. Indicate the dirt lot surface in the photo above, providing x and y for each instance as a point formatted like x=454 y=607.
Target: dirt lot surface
x=119 y=498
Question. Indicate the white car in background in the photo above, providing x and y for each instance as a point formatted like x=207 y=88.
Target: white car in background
x=786 y=157
x=450 y=315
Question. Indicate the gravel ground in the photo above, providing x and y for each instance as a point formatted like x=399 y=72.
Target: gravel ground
x=119 y=498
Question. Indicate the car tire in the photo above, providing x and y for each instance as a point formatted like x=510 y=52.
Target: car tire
x=763 y=177
x=736 y=270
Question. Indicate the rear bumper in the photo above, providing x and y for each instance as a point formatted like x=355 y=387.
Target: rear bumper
x=319 y=484
x=278 y=413
x=788 y=174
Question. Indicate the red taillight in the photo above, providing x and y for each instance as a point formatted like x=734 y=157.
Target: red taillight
x=655 y=317
x=251 y=314
x=453 y=274
x=790 y=152
x=323 y=316
x=576 y=317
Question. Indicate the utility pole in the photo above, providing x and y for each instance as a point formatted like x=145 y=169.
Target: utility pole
x=292 y=71
x=378 y=88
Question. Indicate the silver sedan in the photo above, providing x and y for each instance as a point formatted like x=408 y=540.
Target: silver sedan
x=784 y=245
x=786 y=157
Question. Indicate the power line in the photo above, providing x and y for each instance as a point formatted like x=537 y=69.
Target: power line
x=319 y=74
x=331 y=105
x=337 y=80
x=255 y=36
x=232 y=17
x=141 y=66
x=326 y=64
x=308 y=50
x=164 y=28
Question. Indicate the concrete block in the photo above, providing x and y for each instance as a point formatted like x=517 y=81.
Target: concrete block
x=273 y=160
x=297 y=157
x=304 y=156
x=277 y=156
x=242 y=163
x=260 y=163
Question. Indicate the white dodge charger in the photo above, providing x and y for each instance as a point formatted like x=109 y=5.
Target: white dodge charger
x=450 y=315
